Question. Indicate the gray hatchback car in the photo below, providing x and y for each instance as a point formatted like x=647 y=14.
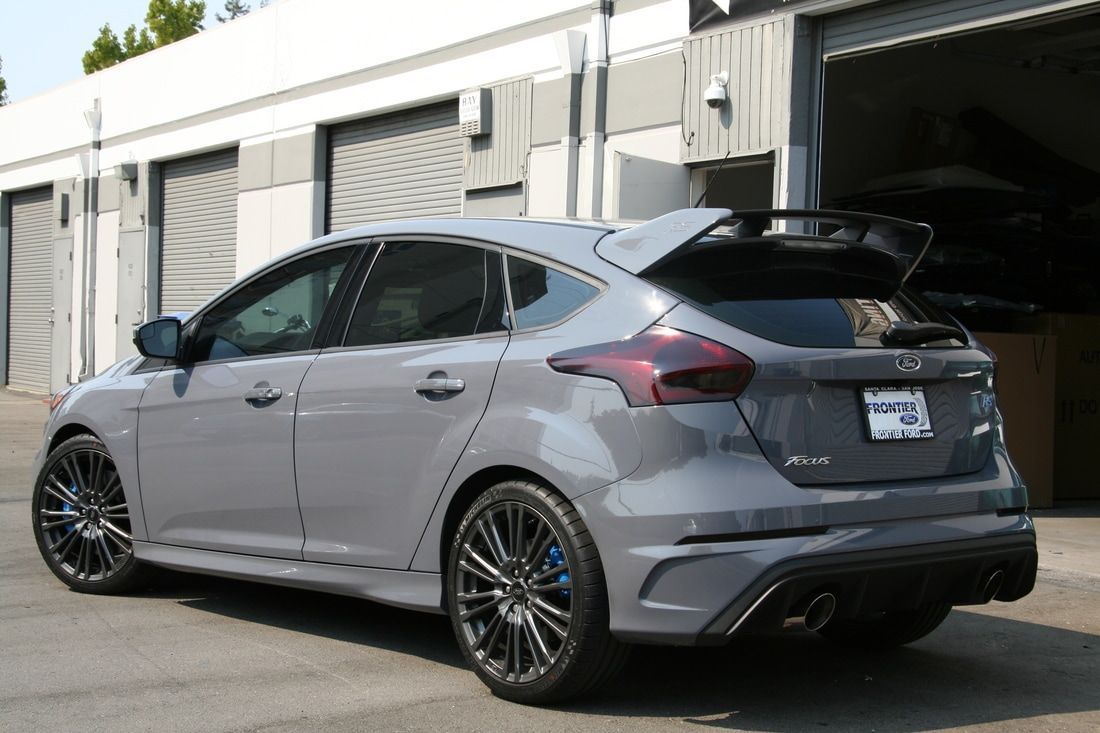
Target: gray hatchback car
x=568 y=436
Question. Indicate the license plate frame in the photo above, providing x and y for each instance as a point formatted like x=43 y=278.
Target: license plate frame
x=896 y=413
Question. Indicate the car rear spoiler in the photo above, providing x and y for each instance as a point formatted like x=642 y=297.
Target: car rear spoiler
x=895 y=246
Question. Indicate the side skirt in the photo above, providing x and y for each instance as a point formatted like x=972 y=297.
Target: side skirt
x=405 y=589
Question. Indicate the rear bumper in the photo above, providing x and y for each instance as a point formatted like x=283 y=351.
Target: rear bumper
x=881 y=580
x=705 y=527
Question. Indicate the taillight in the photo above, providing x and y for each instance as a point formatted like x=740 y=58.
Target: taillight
x=662 y=366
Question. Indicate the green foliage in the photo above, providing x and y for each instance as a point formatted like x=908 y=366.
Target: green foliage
x=234 y=9
x=173 y=20
x=3 y=86
x=168 y=21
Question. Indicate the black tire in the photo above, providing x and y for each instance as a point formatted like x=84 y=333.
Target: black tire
x=93 y=552
x=563 y=663
x=888 y=629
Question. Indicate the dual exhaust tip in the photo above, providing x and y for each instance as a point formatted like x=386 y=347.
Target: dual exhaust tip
x=821 y=607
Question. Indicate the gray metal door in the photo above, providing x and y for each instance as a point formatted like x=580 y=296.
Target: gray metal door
x=30 y=333
x=131 y=289
x=395 y=166
x=876 y=25
x=198 y=229
x=61 y=314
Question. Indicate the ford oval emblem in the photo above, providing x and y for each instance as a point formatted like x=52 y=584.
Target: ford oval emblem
x=909 y=419
x=908 y=362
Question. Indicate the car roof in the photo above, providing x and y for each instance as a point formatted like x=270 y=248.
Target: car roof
x=571 y=241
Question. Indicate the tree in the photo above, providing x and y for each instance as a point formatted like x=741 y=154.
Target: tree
x=3 y=86
x=235 y=9
x=174 y=20
x=168 y=21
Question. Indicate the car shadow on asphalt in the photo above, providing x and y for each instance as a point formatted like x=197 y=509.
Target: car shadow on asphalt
x=975 y=669
x=354 y=620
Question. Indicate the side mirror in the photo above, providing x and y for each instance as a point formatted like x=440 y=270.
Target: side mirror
x=159 y=339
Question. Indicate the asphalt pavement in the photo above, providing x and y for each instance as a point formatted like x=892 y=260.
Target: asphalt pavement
x=204 y=654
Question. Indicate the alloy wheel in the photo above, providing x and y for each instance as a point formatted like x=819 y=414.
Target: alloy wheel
x=513 y=592
x=83 y=517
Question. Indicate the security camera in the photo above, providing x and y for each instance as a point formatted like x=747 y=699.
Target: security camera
x=715 y=94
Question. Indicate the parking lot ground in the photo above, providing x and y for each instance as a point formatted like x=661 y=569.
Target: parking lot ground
x=204 y=654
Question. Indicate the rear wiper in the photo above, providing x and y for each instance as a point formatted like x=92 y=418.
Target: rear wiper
x=908 y=334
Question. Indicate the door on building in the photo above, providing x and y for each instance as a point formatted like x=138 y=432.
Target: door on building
x=131 y=289
x=61 y=315
x=232 y=401
x=198 y=229
x=30 y=323
x=407 y=164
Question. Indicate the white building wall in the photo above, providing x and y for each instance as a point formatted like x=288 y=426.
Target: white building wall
x=298 y=64
x=106 y=290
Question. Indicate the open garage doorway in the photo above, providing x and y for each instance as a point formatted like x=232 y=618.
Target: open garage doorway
x=991 y=137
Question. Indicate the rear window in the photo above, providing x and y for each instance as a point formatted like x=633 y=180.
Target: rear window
x=811 y=322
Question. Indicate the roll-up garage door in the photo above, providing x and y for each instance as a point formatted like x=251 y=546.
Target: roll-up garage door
x=198 y=229
x=395 y=166
x=886 y=23
x=29 y=333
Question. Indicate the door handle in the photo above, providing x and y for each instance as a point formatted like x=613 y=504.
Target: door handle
x=263 y=394
x=440 y=385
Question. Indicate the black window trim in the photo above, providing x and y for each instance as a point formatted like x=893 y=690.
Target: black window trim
x=377 y=244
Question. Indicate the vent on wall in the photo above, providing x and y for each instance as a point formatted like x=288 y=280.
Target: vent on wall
x=475 y=112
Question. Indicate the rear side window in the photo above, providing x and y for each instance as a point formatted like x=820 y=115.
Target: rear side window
x=542 y=295
x=812 y=322
x=419 y=291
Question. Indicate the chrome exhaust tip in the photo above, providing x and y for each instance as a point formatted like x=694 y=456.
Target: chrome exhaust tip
x=816 y=614
x=993 y=585
x=819 y=611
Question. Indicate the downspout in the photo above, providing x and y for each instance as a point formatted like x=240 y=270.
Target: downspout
x=601 y=19
x=570 y=45
x=91 y=214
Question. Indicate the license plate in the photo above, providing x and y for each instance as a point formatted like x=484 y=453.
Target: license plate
x=897 y=413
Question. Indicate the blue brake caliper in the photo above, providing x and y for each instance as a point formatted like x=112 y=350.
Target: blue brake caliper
x=554 y=558
x=67 y=507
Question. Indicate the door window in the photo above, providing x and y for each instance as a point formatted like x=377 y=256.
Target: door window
x=419 y=291
x=276 y=313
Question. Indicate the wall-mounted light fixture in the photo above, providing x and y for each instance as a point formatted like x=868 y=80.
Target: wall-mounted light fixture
x=715 y=94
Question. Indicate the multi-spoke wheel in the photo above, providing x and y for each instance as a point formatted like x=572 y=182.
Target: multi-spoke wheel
x=81 y=518
x=527 y=598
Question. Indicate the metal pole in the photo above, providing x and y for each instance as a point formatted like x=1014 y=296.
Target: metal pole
x=91 y=214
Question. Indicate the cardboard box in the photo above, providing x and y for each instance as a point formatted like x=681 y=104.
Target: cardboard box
x=1076 y=404
x=1026 y=366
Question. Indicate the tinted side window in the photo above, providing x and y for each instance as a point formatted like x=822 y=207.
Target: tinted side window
x=542 y=295
x=417 y=291
x=275 y=313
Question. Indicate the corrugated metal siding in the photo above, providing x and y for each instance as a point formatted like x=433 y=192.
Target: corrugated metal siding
x=199 y=229
x=753 y=120
x=500 y=158
x=31 y=295
x=394 y=166
x=882 y=23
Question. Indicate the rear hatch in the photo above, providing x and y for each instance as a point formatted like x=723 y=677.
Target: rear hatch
x=857 y=379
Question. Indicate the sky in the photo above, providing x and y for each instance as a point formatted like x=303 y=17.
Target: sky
x=42 y=41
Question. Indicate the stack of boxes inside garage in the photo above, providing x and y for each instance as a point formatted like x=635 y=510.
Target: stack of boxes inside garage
x=994 y=146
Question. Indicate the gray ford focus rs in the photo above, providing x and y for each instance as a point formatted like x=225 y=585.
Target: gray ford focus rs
x=568 y=436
